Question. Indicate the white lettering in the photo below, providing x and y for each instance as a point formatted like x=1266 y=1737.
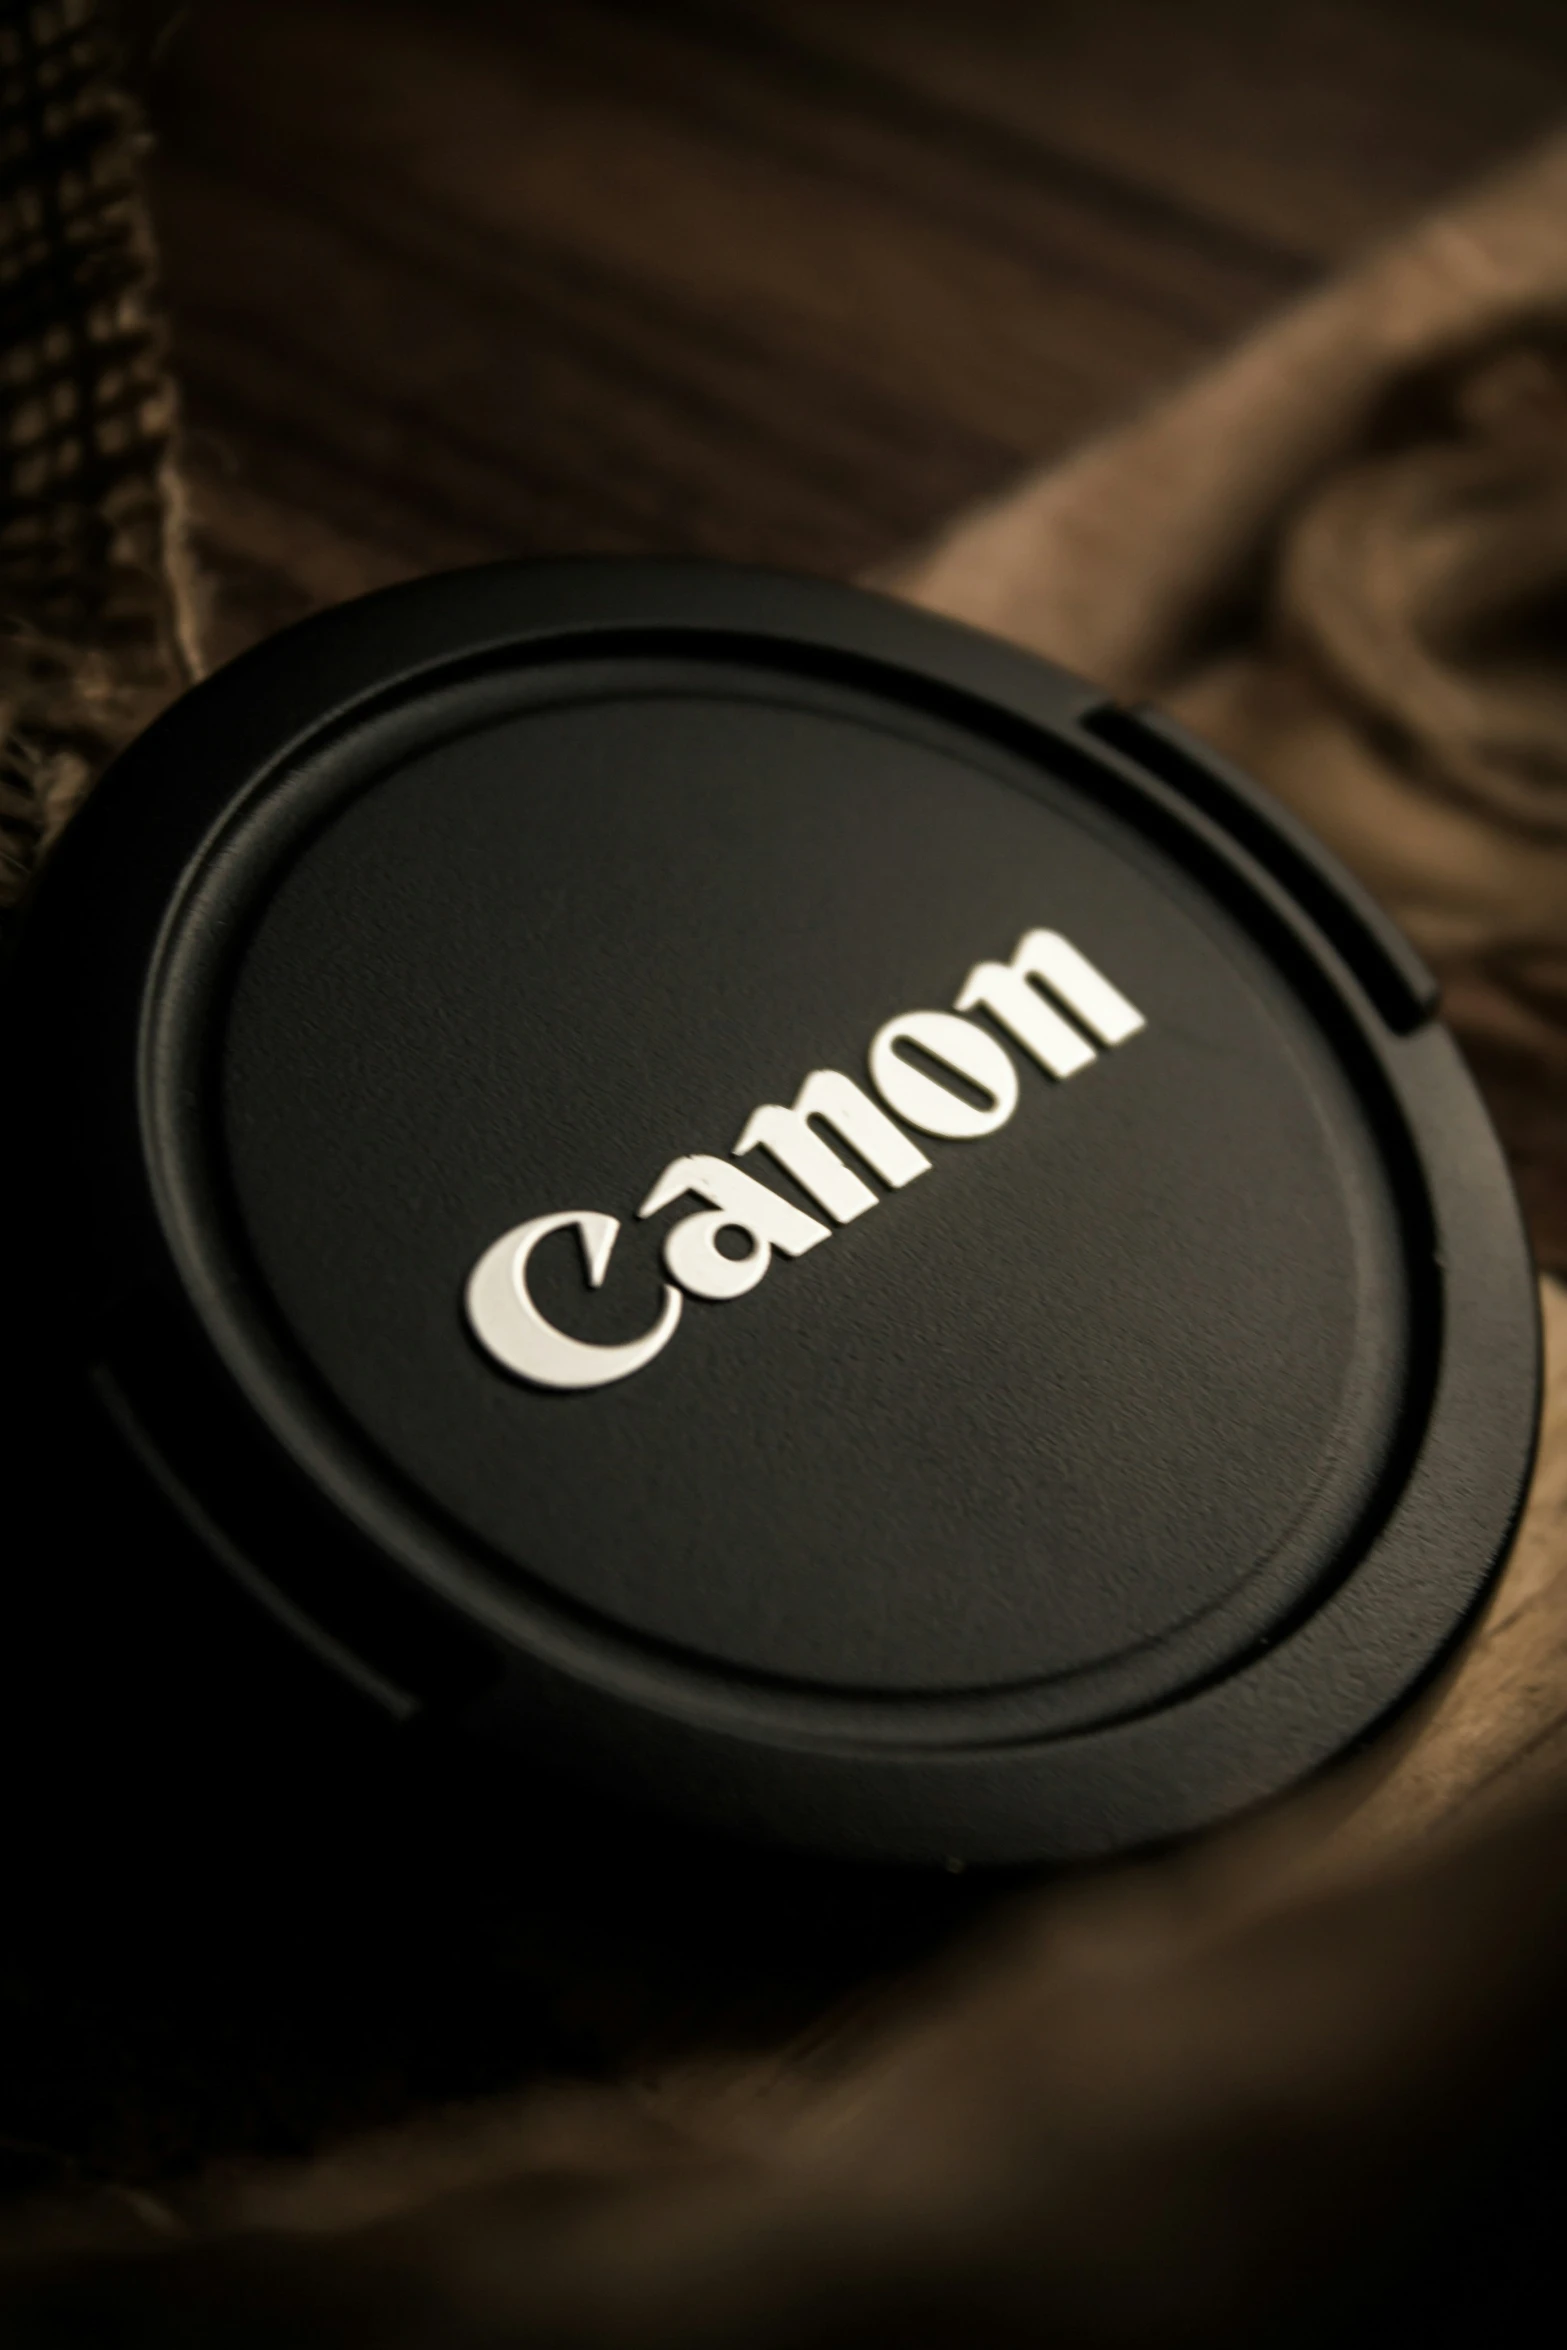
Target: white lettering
x=788 y=1137
x=960 y=1046
x=1017 y=995
x=691 y=1252
x=1004 y=990
x=508 y=1324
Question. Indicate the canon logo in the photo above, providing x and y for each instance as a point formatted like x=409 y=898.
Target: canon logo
x=1027 y=998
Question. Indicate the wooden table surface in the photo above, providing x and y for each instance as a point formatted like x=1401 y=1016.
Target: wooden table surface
x=783 y=280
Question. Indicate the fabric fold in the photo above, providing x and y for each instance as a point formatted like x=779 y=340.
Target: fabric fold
x=1341 y=555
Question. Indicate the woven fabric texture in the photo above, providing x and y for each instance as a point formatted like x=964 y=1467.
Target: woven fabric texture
x=95 y=610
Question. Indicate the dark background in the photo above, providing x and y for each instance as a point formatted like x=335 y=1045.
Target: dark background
x=787 y=280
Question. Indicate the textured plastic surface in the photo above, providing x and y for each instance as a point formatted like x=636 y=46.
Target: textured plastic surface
x=1127 y=1464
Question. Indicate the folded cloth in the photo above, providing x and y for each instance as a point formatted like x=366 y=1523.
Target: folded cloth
x=1341 y=555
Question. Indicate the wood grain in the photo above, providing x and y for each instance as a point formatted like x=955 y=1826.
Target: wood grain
x=782 y=280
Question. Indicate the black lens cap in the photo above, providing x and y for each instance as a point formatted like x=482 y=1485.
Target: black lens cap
x=745 y=1192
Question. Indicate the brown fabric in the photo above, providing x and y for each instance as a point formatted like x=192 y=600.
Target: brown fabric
x=95 y=627
x=1342 y=556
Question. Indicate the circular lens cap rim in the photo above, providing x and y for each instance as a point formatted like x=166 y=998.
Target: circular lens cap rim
x=1316 y=1688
